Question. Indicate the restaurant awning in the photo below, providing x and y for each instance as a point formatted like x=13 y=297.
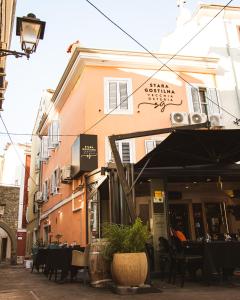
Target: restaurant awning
x=184 y=148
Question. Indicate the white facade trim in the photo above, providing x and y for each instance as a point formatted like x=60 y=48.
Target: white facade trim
x=118 y=111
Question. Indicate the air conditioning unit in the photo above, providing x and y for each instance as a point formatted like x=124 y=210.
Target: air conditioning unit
x=39 y=197
x=179 y=118
x=216 y=120
x=197 y=118
x=66 y=173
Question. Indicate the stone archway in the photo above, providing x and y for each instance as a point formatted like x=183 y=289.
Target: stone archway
x=12 y=237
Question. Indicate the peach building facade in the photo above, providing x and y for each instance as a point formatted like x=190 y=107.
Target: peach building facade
x=104 y=93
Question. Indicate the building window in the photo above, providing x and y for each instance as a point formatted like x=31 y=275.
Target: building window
x=53 y=134
x=44 y=153
x=204 y=100
x=151 y=144
x=117 y=96
x=125 y=149
x=55 y=181
x=45 y=190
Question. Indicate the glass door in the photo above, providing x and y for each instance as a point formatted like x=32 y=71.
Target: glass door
x=216 y=220
x=179 y=218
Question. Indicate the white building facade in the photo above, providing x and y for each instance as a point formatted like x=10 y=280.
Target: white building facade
x=219 y=36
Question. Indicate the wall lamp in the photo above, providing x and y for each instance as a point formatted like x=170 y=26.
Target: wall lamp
x=31 y=30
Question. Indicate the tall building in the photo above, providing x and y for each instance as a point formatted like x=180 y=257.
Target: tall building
x=13 y=200
x=107 y=93
x=33 y=208
x=7 y=11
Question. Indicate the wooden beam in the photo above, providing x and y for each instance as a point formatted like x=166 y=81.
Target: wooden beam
x=157 y=131
x=122 y=178
x=119 y=166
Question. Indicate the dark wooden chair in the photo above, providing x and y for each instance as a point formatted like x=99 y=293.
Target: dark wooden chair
x=185 y=258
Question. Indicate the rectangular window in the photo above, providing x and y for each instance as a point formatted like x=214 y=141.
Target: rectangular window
x=44 y=153
x=45 y=190
x=53 y=134
x=117 y=96
x=125 y=149
x=55 y=181
x=205 y=100
x=151 y=144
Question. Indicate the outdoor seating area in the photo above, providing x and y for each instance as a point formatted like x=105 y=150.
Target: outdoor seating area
x=60 y=263
x=207 y=262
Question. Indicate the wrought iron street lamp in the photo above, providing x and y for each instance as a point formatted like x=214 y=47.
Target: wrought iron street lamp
x=31 y=30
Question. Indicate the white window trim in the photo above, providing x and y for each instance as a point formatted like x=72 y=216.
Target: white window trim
x=45 y=191
x=151 y=140
x=204 y=86
x=132 y=150
x=118 y=111
x=55 y=190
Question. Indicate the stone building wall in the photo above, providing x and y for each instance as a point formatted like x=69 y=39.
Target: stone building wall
x=9 y=203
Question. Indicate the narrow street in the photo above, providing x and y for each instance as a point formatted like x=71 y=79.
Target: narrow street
x=17 y=283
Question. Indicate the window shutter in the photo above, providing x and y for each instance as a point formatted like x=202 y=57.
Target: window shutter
x=44 y=148
x=48 y=188
x=44 y=191
x=149 y=145
x=52 y=184
x=195 y=100
x=213 y=101
x=125 y=152
x=111 y=158
x=112 y=95
x=58 y=177
x=123 y=95
x=50 y=144
x=55 y=133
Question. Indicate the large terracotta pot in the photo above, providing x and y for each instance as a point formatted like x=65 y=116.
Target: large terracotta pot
x=129 y=269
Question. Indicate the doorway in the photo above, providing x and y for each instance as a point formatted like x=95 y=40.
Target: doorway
x=179 y=218
x=4 y=249
x=216 y=221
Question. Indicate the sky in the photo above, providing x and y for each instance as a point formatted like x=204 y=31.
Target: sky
x=66 y=22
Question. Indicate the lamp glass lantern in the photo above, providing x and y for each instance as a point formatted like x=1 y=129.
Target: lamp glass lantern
x=31 y=30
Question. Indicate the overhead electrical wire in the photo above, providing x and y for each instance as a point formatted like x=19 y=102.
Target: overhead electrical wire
x=150 y=77
x=19 y=158
x=237 y=120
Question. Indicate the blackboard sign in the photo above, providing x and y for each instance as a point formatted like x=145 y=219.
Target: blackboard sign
x=84 y=154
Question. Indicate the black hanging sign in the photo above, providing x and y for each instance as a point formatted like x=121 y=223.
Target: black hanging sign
x=84 y=154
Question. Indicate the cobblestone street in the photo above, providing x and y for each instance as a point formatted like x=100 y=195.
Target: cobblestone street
x=17 y=283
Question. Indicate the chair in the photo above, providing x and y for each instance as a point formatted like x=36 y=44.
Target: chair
x=165 y=257
x=80 y=260
x=39 y=259
x=184 y=257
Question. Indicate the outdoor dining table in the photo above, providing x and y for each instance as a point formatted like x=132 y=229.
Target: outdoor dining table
x=220 y=256
x=54 y=259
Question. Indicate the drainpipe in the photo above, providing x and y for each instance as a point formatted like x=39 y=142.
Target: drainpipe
x=232 y=61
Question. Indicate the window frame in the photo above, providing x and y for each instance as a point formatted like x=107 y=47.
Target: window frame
x=45 y=190
x=118 y=111
x=55 y=181
x=208 y=104
x=156 y=142
x=108 y=152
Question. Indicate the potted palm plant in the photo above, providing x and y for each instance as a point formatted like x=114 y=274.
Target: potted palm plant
x=126 y=249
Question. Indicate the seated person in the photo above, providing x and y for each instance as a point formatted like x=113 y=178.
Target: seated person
x=178 y=234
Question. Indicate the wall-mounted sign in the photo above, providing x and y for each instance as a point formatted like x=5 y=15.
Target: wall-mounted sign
x=160 y=95
x=84 y=154
x=158 y=197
